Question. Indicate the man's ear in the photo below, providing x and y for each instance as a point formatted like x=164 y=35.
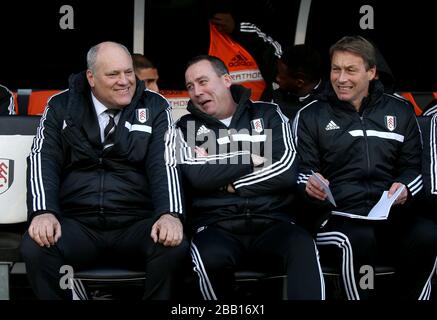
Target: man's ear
x=90 y=78
x=228 y=80
x=372 y=73
x=300 y=83
x=299 y=79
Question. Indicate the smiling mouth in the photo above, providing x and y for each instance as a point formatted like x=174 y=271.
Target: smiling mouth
x=123 y=91
x=344 y=88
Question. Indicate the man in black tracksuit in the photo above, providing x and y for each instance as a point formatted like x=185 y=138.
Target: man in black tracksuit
x=239 y=161
x=103 y=186
x=362 y=142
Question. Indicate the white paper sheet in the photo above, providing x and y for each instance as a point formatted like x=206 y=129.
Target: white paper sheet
x=381 y=209
x=325 y=188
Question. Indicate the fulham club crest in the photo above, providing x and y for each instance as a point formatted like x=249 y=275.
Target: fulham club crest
x=142 y=115
x=257 y=125
x=6 y=174
x=390 y=122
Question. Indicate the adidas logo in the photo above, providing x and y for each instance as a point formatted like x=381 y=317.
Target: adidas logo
x=331 y=126
x=202 y=130
x=239 y=60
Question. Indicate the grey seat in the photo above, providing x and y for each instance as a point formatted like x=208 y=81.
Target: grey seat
x=16 y=135
x=255 y=277
x=102 y=274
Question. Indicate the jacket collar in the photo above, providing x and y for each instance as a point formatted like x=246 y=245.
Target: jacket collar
x=241 y=96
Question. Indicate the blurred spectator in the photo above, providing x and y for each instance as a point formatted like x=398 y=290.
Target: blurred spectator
x=263 y=49
x=146 y=71
x=299 y=78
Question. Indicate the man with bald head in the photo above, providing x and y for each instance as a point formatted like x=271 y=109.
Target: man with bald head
x=103 y=187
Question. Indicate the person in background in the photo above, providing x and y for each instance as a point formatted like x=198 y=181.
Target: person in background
x=293 y=75
x=299 y=78
x=146 y=71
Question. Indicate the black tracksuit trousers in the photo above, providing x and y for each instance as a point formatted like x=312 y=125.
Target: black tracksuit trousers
x=404 y=241
x=268 y=246
x=82 y=247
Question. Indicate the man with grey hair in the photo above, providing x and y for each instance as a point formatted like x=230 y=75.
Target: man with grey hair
x=103 y=186
x=365 y=145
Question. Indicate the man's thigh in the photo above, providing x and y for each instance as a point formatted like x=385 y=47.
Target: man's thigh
x=79 y=245
x=218 y=247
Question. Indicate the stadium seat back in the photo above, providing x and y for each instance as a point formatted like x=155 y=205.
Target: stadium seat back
x=16 y=136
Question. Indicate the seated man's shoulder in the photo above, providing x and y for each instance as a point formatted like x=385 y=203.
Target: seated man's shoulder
x=184 y=120
x=314 y=108
x=265 y=108
x=396 y=99
x=4 y=92
x=155 y=99
x=59 y=99
x=398 y=103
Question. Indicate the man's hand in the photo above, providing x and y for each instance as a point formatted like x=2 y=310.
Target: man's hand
x=167 y=230
x=257 y=160
x=224 y=22
x=45 y=229
x=402 y=197
x=230 y=188
x=315 y=189
x=200 y=152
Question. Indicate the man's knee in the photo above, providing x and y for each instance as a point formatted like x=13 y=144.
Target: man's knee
x=298 y=241
x=29 y=249
x=178 y=252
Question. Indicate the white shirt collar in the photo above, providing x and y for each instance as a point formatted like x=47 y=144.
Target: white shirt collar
x=226 y=121
x=98 y=106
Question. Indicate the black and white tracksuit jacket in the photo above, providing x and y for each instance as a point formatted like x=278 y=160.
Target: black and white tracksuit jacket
x=256 y=127
x=70 y=175
x=428 y=127
x=360 y=153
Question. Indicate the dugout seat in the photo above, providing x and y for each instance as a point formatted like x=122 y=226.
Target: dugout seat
x=102 y=275
x=16 y=135
x=33 y=102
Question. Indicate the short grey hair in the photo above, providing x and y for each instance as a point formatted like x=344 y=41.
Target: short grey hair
x=91 y=56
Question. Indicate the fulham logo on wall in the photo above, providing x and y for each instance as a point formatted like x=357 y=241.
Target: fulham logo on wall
x=142 y=115
x=390 y=122
x=6 y=174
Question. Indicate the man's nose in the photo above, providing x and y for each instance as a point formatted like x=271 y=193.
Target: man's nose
x=342 y=77
x=197 y=90
x=123 y=79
